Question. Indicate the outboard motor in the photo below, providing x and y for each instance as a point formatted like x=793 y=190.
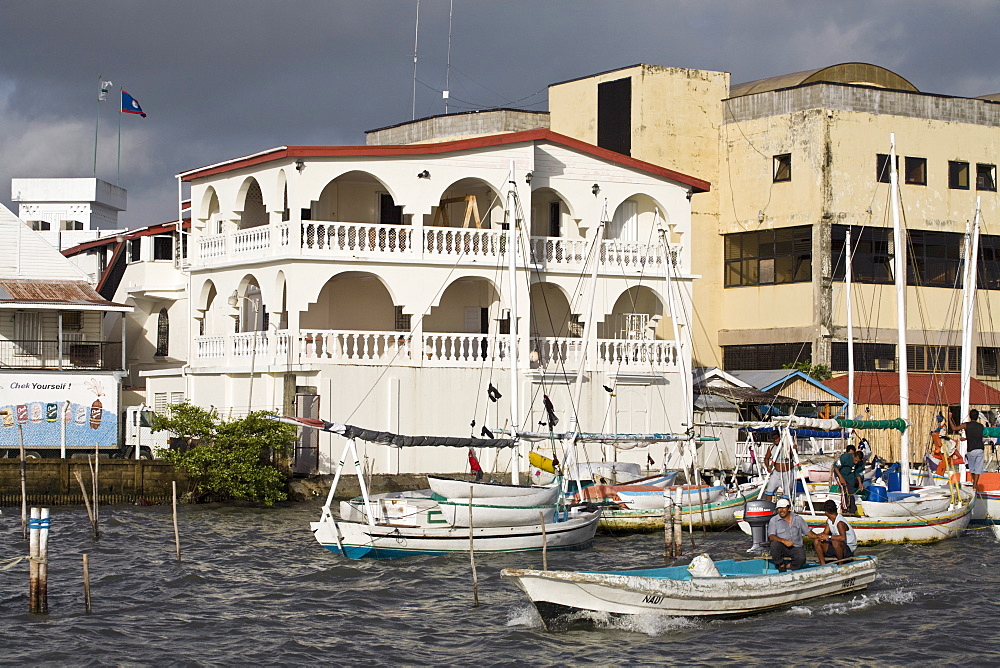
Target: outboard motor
x=757 y=514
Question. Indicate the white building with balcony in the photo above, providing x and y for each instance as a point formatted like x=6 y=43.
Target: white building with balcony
x=372 y=285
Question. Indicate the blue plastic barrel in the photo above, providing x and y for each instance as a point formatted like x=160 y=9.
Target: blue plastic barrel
x=894 y=481
x=899 y=496
x=877 y=493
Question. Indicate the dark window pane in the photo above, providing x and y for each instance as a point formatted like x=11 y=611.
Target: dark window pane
x=958 y=175
x=783 y=167
x=986 y=177
x=614 y=115
x=764 y=356
x=916 y=171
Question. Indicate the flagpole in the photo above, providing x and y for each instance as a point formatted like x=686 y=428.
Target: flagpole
x=97 y=124
x=118 y=176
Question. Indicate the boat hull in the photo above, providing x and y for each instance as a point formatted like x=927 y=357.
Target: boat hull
x=654 y=499
x=874 y=530
x=502 y=510
x=564 y=598
x=720 y=515
x=451 y=488
x=363 y=541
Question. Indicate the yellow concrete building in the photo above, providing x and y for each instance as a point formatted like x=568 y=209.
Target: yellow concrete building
x=795 y=161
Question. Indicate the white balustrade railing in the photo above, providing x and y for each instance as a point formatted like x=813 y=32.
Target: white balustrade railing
x=434 y=349
x=354 y=346
x=251 y=240
x=554 y=352
x=636 y=355
x=357 y=238
x=465 y=348
x=614 y=254
x=211 y=247
x=461 y=241
x=210 y=347
x=248 y=344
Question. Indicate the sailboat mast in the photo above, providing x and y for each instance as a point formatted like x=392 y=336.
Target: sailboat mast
x=848 y=262
x=969 y=308
x=515 y=420
x=899 y=257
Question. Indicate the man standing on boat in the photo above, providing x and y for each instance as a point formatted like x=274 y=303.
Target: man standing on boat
x=838 y=540
x=785 y=531
x=778 y=460
x=975 y=457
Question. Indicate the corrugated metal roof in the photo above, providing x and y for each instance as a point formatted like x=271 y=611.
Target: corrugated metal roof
x=944 y=389
x=34 y=291
x=745 y=395
x=862 y=74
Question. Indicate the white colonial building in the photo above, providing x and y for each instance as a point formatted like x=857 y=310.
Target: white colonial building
x=371 y=285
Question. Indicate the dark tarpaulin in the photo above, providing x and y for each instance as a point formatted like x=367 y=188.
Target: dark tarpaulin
x=401 y=441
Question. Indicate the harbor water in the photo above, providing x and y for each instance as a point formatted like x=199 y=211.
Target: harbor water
x=254 y=587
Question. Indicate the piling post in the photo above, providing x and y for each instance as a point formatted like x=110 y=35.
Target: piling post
x=545 y=557
x=86 y=502
x=43 y=562
x=678 y=526
x=33 y=561
x=177 y=533
x=24 y=484
x=472 y=557
x=86 y=581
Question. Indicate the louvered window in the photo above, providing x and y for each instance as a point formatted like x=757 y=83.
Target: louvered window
x=767 y=257
x=28 y=332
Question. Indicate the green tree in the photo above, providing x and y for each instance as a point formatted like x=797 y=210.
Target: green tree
x=820 y=372
x=228 y=459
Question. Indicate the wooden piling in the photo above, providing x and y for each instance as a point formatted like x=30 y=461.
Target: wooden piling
x=472 y=558
x=24 y=484
x=86 y=502
x=86 y=581
x=668 y=528
x=545 y=557
x=33 y=562
x=678 y=526
x=177 y=533
x=43 y=562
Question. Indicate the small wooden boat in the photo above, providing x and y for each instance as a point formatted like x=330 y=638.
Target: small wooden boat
x=501 y=511
x=453 y=488
x=719 y=515
x=360 y=540
x=567 y=598
x=651 y=497
x=919 y=502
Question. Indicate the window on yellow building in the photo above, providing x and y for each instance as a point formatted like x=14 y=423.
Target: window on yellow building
x=958 y=175
x=934 y=258
x=934 y=358
x=764 y=356
x=873 y=254
x=986 y=177
x=768 y=257
x=916 y=171
x=882 y=167
x=783 y=167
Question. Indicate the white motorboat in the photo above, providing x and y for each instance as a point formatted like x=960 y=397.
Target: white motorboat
x=565 y=598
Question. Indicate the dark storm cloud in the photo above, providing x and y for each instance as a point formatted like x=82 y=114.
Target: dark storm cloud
x=223 y=78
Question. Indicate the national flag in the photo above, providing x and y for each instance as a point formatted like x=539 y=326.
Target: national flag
x=130 y=105
x=105 y=89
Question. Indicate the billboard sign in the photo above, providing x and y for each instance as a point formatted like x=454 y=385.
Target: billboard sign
x=51 y=408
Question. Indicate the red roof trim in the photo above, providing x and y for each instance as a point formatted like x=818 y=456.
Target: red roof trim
x=162 y=228
x=698 y=185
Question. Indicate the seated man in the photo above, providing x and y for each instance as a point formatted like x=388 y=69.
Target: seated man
x=838 y=540
x=850 y=469
x=785 y=531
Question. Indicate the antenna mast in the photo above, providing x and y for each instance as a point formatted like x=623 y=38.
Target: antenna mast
x=447 y=72
x=416 y=34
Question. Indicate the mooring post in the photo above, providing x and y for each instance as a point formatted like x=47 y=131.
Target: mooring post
x=86 y=502
x=24 y=484
x=472 y=557
x=177 y=533
x=678 y=525
x=43 y=562
x=545 y=558
x=86 y=581
x=33 y=562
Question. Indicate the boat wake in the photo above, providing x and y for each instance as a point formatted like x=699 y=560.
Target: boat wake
x=861 y=602
x=648 y=624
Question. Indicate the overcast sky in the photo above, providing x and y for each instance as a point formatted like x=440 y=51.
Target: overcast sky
x=224 y=78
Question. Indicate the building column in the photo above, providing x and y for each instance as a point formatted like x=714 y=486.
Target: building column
x=822 y=283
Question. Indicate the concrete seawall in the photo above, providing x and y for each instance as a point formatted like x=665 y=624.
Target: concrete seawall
x=51 y=482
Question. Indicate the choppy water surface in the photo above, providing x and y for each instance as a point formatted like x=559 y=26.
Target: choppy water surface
x=255 y=588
